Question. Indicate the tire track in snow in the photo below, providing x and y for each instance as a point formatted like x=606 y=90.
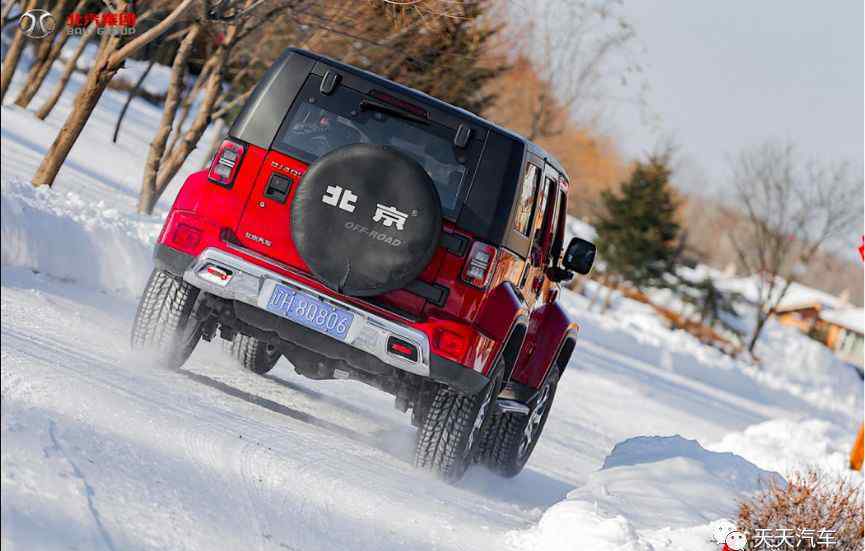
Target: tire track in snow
x=41 y=349
x=89 y=493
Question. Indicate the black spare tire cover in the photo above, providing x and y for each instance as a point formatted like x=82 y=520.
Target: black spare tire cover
x=366 y=219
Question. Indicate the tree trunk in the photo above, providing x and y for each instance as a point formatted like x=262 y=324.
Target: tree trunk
x=13 y=56
x=71 y=64
x=148 y=196
x=7 y=11
x=218 y=136
x=758 y=328
x=129 y=97
x=39 y=71
x=98 y=79
x=597 y=293
x=186 y=104
x=608 y=297
x=213 y=87
x=109 y=61
x=48 y=53
x=172 y=163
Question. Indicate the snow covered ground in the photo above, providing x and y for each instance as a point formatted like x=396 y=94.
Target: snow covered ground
x=653 y=437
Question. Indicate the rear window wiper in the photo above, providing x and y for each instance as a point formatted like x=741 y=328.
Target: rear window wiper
x=374 y=105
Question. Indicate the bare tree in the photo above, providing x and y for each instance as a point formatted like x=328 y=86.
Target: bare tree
x=578 y=45
x=791 y=209
x=113 y=51
x=68 y=69
x=6 y=12
x=131 y=95
x=169 y=110
x=13 y=54
x=47 y=52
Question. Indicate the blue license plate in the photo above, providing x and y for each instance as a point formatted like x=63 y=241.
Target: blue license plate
x=307 y=310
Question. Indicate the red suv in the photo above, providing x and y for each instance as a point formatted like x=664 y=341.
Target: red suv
x=367 y=231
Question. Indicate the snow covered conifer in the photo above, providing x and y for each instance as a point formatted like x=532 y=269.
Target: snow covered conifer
x=637 y=229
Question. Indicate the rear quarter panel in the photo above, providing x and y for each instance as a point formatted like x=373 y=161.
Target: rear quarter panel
x=550 y=326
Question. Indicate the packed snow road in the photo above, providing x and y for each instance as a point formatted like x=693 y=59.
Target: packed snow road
x=124 y=455
x=103 y=450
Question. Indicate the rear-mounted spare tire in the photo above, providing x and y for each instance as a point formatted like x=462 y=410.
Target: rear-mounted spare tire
x=366 y=219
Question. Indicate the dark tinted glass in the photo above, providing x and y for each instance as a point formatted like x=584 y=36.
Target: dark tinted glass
x=526 y=201
x=318 y=124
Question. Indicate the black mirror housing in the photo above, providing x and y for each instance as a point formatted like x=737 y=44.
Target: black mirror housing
x=579 y=256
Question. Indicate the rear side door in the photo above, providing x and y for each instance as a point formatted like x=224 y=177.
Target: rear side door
x=533 y=276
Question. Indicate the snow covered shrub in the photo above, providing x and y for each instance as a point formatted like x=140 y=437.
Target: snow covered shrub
x=809 y=512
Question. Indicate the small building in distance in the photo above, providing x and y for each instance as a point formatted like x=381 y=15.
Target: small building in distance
x=845 y=333
x=828 y=319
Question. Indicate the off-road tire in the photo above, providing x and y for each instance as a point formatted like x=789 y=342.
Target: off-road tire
x=502 y=448
x=164 y=323
x=252 y=354
x=449 y=435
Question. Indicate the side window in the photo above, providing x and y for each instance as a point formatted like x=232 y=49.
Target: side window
x=559 y=229
x=526 y=202
x=543 y=220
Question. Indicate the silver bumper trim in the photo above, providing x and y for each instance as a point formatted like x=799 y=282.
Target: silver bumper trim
x=251 y=284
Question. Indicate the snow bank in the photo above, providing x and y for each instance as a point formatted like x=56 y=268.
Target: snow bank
x=574 y=524
x=792 y=362
x=795 y=371
x=651 y=491
x=63 y=236
x=788 y=446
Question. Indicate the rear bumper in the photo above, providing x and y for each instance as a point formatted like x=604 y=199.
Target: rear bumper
x=364 y=346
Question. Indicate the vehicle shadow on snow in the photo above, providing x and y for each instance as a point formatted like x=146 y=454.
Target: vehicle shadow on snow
x=528 y=490
x=324 y=398
x=398 y=440
x=287 y=411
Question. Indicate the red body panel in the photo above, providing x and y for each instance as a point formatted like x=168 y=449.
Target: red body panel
x=500 y=312
x=471 y=328
x=211 y=210
x=269 y=221
x=550 y=326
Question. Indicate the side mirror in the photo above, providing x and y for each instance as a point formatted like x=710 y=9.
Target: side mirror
x=579 y=256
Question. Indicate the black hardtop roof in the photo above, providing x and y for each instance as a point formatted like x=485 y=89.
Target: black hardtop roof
x=432 y=102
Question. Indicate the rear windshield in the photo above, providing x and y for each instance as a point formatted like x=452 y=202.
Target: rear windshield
x=317 y=124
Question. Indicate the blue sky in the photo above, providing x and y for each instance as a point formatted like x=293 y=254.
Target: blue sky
x=728 y=74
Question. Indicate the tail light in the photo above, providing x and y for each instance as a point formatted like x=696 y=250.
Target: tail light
x=226 y=163
x=186 y=237
x=479 y=266
x=451 y=344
